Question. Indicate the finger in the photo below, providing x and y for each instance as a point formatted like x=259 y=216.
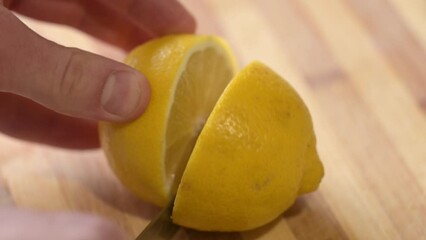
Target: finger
x=24 y=119
x=19 y=224
x=125 y=23
x=69 y=81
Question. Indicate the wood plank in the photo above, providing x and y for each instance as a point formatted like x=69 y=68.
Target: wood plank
x=278 y=230
x=413 y=13
x=391 y=36
x=252 y=45
x=344 y=190
x=375 y=80
x=315 y=74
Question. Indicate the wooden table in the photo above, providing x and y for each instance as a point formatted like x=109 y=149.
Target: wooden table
x=360 y=65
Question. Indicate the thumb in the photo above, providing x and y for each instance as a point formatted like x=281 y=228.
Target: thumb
x=67 y=80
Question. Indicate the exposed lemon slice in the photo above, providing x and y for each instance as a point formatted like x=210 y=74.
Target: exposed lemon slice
x=236 y=153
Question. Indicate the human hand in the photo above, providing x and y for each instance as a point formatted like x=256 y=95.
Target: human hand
x=55 y=95
x=26 y=225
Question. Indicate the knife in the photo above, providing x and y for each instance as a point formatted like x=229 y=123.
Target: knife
x=161 y=227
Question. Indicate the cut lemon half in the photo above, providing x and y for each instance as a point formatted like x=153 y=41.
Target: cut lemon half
x=235 y=152
x=187 y=75
x=254 y=156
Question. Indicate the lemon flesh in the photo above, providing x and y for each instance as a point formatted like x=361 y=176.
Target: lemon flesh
x=249 y=162
x=199 y=87
x=187 y=75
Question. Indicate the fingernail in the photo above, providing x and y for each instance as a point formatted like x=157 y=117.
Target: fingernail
x=122 y=93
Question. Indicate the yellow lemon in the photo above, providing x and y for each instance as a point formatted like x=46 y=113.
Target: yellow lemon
x=235 y=152
x=254 y=156
x=187 y=75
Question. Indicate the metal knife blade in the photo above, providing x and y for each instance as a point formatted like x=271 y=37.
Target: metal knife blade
x=161 y=227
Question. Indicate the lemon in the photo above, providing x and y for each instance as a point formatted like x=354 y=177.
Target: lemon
x=236 y=149
x=187 y=75
x=250 y=161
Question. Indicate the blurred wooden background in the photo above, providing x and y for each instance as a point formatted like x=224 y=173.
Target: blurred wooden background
x=360 y=65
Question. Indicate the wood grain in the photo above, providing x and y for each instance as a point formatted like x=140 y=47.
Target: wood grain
x=360 y=67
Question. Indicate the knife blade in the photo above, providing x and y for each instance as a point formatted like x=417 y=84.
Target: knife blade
x=161 y=227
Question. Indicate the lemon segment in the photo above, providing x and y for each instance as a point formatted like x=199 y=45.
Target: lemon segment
x=187 y=75
x=248 y=164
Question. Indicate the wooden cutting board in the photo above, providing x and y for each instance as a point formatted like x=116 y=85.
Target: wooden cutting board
x=360 y=65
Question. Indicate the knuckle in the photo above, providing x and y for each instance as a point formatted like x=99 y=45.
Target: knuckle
x=71 y=74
